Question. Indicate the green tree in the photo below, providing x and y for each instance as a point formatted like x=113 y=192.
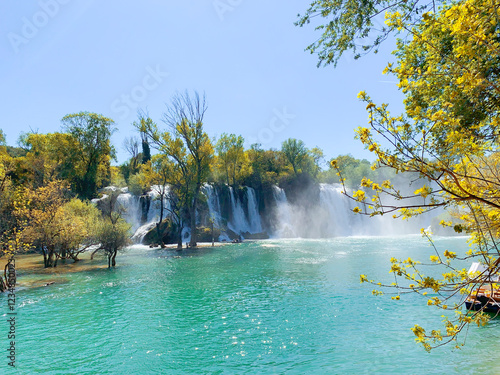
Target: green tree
x=92 y=133
x=144 y=121
x=7 y=194
x=131 y=145
x=353 y=24
x=295 y=152
x=231 y=155
x=78 y=223
x=112 y=232
x=146 y=149
x=267 y=166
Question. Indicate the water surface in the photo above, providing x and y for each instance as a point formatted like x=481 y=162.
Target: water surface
x=267 y=307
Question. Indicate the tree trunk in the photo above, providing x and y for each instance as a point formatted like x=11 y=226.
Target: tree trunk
x=93 y=253
x=109 y=260
x=45 y=260
x=194 y=234
x=3 y=285
x=179 y=238
x=192 y=218
x=213 y=240
x=50 y=259
x=113 y=258
x=158 y=234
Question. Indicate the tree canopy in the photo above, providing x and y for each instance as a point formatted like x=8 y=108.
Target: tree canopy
x=354 y=25
x=94 y=151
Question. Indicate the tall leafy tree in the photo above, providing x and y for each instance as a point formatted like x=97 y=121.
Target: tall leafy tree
x=295 y=152
x=185 y=143
x=92 y=133
x=38 y=214
x=231 y=154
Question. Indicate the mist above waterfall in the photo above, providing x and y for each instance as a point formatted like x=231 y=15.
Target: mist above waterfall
x=332 y=216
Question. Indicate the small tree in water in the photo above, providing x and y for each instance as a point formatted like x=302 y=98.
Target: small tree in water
x=112 y=232
x=113 y=237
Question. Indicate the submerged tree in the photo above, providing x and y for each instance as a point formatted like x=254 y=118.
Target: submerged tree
x=186 y=144
x=448 y=69
x=78 y=221
x=112 y=232
x=157 y=174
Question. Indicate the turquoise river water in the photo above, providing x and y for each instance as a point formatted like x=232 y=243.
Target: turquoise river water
x=267 y=307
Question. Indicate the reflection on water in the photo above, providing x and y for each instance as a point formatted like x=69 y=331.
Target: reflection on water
x=277 y=306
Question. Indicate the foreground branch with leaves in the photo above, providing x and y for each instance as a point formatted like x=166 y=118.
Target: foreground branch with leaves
x=448 y=68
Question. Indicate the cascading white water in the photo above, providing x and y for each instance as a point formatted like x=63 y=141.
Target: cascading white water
x=283 y=225
x=239 y=222
x=334 y=217
x=131 y=207
x=341 y=219
x=154 y=211
x=215 y=210
x=253 y=212
x=155 y=206
x=132 y=210
x=213 y=204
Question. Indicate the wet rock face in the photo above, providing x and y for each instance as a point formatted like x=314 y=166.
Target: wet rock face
x=145 y=201
x=168 y=232
x=224 y=201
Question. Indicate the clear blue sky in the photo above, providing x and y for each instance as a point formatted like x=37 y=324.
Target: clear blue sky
x=114 y=57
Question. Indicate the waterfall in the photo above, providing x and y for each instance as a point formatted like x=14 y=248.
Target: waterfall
x=333 y=216
x=341 y=220
x=155 y=207
x=153 y=213
x=283 y=224
x=213 y=204
x=326 y=213
x=239 y=223
x=132 y=209
x=253 y=212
